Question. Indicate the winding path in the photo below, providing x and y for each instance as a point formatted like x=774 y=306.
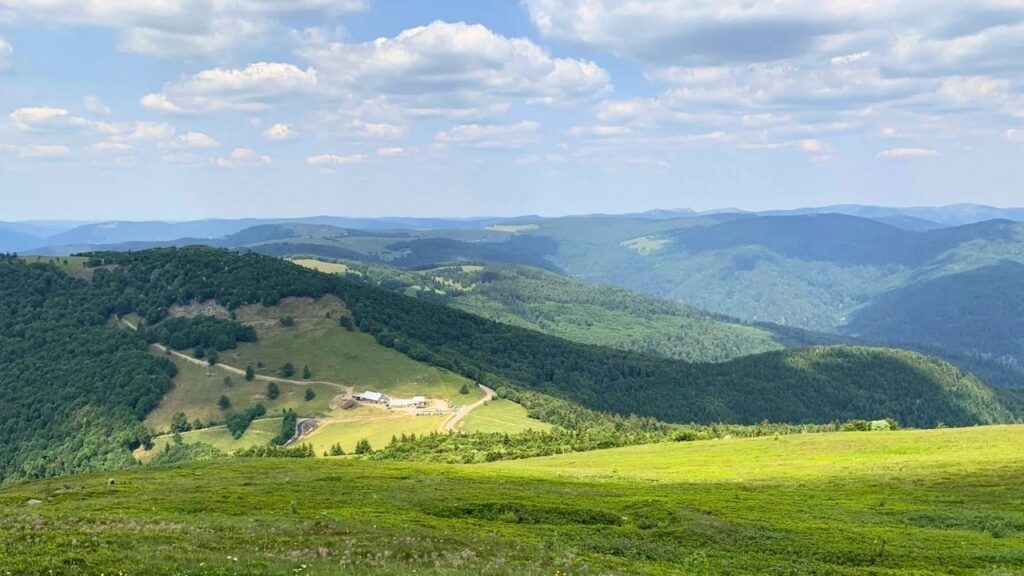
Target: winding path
x=450 y=424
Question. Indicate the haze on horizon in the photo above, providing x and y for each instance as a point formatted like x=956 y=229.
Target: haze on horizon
x=188 y=109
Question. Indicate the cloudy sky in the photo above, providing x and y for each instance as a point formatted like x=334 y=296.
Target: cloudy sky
x=179 y=109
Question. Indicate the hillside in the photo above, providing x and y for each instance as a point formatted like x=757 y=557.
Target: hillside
x=598 y=378
x=897 y=503
x=47 y=424
x=560 y=306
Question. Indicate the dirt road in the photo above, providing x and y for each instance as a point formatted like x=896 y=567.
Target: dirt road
x=450 y=424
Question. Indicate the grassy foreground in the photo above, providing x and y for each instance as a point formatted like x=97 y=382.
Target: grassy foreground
x=882 y=503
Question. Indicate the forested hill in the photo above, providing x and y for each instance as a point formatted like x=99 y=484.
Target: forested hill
x=586 y=313
x=72 y=390
x=814 y=385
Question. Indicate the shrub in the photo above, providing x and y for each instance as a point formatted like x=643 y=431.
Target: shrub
x=273 y=391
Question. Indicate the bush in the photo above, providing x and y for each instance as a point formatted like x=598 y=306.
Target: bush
x=363 y=447
x=288 y=370
x=306 y=373
x=310 y=394
x=273 y=391
x=288 y=321
x=224 y=403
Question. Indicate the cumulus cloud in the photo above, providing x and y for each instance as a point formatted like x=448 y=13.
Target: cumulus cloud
x=390 y=151
x=112 y=147
x=193 y=140
x=247 y=89
x=328 y=160
x=599 y=131
x=6 y=54
x=179 y=28
x=1014 y=135
x=490 y=135
x=907 y=153
x=242 y=157
x=279 y=132
x=452 y=65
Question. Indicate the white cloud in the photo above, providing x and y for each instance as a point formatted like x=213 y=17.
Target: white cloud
x=908 y=153
x=146 y=131
x=848 y=59
x=490 y=135
x=37 y=150
x=333 y=160
x=813 y=146
x=112 y=147
x=455 y=65
x=44 y=118
x=6 y=54
x=96 y=106
x=390 y=151
x=599 y=131
x=193 y=140
x=243 y=89
x=279 y=132
x=242 y=157
x=1014 y=135
x=179 y=28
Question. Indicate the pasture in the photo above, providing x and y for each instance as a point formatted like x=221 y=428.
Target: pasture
x=873 y=504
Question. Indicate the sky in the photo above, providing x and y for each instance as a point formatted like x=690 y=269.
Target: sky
x=177 y=109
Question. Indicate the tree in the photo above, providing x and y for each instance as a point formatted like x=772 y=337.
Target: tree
x=310 y=394
x=213 y=357
x=178 y=440
x=464 y=389
x=306 y=373
x=337 y=450
x=200 y=351
x=363 y=447
x=250 y=373
x=179 y=423
x=273 y=391
x=346 y=323
x=287 y=321
x=228 y=382
x=224 y=403
x=288 y=370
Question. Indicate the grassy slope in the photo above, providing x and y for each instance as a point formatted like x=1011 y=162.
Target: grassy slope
x=260 y=433
x=378 y=431
x=501 y=416
x=914 y=502
x=197 y=389
x=335 y=355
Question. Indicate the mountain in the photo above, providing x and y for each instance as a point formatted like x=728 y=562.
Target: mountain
x=117 y=232
x=77 y=388
x=12 y=240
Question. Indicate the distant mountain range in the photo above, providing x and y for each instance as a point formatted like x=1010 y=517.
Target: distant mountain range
x=56 y=237
x=914 y=277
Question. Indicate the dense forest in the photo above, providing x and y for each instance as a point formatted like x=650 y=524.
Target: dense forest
x=812 y=385
x=74 y=390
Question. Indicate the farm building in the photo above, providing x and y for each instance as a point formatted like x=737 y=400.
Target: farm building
x=414 y=402
x=374 y=397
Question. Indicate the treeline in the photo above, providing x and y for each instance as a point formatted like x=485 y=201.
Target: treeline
x=490 y=447
x=200 y=332
x=798 y=386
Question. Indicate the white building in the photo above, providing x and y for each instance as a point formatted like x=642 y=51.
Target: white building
x=414 y=402
x=373 y=397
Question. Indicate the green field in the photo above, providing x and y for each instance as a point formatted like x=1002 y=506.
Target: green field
x=501 y=416
x=197 y=389
x=881 y=504
x=337 y=355
x=260 y=433
x=378 y=431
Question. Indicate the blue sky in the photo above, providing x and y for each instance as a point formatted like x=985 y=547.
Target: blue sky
x=178 y=109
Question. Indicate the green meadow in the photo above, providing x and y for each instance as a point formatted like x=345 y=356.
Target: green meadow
x=501 y=416
x=882 y=503
x=377 y=431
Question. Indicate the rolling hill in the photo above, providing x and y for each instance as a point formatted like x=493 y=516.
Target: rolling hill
x=51 y=422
